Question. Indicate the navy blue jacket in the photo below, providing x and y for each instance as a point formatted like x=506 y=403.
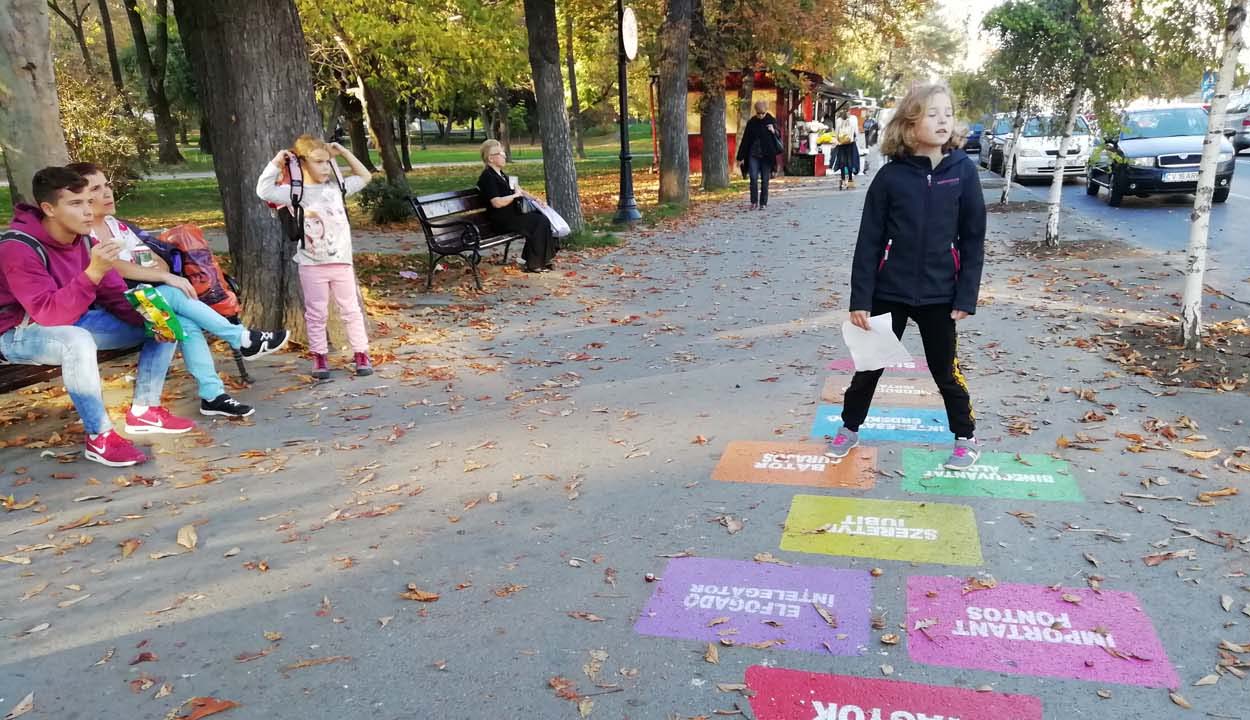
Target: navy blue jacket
x=922 y=236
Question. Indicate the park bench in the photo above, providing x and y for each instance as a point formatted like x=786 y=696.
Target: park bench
x=455 y=224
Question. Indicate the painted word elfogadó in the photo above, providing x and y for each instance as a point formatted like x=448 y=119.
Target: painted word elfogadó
x=792 y=461
x=879 y=527
x=1027 y=625
x=748 y=599
x=833 y=711
x=990 y=473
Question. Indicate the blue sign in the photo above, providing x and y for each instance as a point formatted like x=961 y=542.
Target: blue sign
x=888 y=424
x=1209 y=78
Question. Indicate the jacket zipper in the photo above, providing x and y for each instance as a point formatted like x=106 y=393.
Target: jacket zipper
x=888 y=244
x=920 y=270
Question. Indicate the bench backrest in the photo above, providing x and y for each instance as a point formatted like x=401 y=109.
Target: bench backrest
x=454 y=206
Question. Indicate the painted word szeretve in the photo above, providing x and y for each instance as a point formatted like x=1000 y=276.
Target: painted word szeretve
x=1027 y=625
x=879 y=527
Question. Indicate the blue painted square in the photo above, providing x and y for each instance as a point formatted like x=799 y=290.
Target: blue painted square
x=888 y=424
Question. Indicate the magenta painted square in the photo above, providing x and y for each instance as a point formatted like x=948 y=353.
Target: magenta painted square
x=748 y=602
x=1033 y=630
x=917 y=366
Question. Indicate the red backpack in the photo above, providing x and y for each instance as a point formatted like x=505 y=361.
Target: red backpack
x=199 y=266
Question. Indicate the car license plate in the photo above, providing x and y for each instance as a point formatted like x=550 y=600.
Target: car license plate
x=1180 y=177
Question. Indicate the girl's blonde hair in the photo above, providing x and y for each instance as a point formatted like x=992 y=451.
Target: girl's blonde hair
x=487 y=148
x=899 y=136
x=306 y=145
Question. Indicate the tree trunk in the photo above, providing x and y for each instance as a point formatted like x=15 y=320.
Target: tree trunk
x=745 y=100
x=711 y=67
x=505 y=125
x=472 y=127
x=1017 y=126
x=151 y=60
x=251 y=116
x=421 y=130
x=405 y=154
x=558 y=168
x=1200 y=218
x=183 y=130
x=74 y=19
x=110 y=43
x=206 y=139
x=671 y=88
x=1056 y=184
x=30 y=124
x=575 y=120
x=383 y=125
x=358 y=136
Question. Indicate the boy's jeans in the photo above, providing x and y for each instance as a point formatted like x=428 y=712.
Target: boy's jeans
x=195 y=317
x=73 y=347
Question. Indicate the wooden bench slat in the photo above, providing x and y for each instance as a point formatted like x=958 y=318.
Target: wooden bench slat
x=456 y=208
x=14 y=377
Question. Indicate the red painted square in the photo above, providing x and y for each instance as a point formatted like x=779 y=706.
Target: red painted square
x=798 y=695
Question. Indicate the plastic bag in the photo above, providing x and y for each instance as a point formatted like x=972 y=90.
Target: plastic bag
x=158 y=317
x=876 y=349
x=559 y=227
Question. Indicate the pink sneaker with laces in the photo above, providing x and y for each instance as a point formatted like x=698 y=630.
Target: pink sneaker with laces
x=156 y=420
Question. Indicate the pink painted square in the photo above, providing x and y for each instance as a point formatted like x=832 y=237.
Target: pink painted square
x=1034 y=630
x=916 y=367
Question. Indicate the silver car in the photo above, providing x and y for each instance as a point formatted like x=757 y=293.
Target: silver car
x=1237 y=119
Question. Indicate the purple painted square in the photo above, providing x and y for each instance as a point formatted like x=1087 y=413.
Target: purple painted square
x=762 y=601
x=1033 y=630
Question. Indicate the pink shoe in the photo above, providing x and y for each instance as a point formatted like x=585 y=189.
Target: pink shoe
x=321 y=366
x=109 y=448
x=156 y=420
x=363 y=366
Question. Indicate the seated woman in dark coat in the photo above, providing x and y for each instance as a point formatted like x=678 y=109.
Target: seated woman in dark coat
x=504 y=210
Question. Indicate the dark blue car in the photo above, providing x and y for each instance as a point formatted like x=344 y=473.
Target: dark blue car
x=973 y=143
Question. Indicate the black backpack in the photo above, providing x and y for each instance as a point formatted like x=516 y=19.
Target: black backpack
x=292 y=217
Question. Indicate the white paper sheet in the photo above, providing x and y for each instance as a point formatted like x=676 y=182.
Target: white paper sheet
x=876 y=349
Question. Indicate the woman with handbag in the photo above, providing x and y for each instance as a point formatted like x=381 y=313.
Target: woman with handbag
x=847 y=158
x=761 y=143
x=508 y=208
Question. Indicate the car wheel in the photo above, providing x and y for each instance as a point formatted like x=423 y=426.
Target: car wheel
x=1091 y=187
x=1220 y=195
x=1115 y=195
x=996 y=163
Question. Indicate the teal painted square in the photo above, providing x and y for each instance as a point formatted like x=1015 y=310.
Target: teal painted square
x=999 y=475
x=888 y=424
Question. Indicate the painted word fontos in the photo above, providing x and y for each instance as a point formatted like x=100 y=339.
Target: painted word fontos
x=793 y=461
x=1027 y=625
x=833 y=711
x=879 y=527
x=753 y=600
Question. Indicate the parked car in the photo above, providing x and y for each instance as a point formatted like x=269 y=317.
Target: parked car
x=1039 y=147
x=1157 y=151
x=973 y=143
x=996 y=132
x=1237 y=119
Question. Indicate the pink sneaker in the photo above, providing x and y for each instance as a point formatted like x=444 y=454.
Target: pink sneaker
x=109 y=448
x=156 y=420
x=363 y=366
x=321 y=366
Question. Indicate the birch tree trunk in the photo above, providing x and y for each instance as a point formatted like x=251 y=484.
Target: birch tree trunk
x=1056 y=185
x=30 y=124
x=1017 y=126
x=674 y=76
x=558 y=169
x=1200 y=218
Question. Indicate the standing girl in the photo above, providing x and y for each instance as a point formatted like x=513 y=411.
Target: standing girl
x=919 y=255
x=846 y=132
x=325 y=255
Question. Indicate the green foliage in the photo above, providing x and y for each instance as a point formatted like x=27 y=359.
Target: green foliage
x=98 y=129
x=385 y=203
x=976 y=94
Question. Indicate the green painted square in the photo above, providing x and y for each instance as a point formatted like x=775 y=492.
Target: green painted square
x=998 y=475
x=886 y=529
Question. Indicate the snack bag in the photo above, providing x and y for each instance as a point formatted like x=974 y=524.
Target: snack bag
x=158 y=317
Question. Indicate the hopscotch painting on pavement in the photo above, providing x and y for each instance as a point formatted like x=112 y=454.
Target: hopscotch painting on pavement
x=1000 y=475
x=1077 y=633
x=795 y=464
x=886 y=529
x=891 y=391
x=916 y=366
x=888 y=424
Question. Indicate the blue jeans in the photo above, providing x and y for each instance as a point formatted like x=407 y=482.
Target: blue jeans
x=74 y=347
x=195 y=317
x=760 y=169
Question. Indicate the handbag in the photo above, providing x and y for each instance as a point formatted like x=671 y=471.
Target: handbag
x=524 y=205
x=778 y=148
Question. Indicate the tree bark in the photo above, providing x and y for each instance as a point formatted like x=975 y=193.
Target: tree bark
x=30 y=125
x=671 y=88
x=1200 y=218
x=74 y=19
x=712 y=130
x=252 y=115
x=405 y=156
x=505 y=124
x=1056 y=184
x=575 y=120
x=358 y=136
x=151 y=59
x=383 y=125
x=110 y=43
x=206 y=140
x=558 y=168
x=746 y=98
x=1017 y=126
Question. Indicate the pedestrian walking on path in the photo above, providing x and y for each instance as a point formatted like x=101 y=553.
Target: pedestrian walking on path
x=761 y=143
x=919 y=255
x=846 y=159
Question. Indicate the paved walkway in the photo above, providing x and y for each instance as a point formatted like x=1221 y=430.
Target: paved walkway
x=534 y=455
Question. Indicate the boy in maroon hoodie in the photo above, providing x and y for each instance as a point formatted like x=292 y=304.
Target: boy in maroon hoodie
x=60 y=302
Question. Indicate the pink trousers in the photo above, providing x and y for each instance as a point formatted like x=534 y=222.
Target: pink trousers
x=320 y=282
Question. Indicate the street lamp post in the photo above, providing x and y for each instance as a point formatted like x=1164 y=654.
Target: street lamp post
x=627 y=49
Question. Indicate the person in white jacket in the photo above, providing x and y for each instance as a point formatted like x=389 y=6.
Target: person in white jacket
x=325 y=255
x=846 y=134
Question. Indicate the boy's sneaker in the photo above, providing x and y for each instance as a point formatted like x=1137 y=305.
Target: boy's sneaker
x=363 y=366
x=964 y=456
x=109 y=448
x=321 y=366
x=225 y=405
x=156 y=420
x=262 y=342
x=842 y=444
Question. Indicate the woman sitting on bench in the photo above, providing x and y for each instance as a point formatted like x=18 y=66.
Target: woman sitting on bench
x=505 y=210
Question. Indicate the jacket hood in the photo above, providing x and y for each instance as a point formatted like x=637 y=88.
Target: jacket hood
x=28 y=218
